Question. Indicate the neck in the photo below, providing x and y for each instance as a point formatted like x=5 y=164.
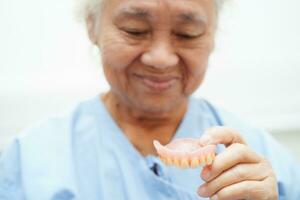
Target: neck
x=142 y=127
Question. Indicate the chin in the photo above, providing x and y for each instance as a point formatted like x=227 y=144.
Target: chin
x=158 y=105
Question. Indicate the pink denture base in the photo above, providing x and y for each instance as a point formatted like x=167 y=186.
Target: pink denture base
x=184 y=148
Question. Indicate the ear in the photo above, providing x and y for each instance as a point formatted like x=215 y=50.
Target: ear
x=91 y=28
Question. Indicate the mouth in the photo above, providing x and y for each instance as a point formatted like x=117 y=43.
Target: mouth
x=157 y=83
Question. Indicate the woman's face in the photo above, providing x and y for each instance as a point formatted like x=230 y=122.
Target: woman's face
x=155 y=52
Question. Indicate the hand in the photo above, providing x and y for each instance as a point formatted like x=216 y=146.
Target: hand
x=238 y=172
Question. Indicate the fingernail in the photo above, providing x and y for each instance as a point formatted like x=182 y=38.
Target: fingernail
x=206 y=175
x=214 y=197
x=205 y=139
x=201 y=190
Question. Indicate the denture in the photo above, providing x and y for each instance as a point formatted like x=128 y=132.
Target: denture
x=185 y=153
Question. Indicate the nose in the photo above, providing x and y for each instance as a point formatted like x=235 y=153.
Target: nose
x=160 y=55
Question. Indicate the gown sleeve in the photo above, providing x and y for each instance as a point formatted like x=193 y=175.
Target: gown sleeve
x=10 y=174
x=286 y=167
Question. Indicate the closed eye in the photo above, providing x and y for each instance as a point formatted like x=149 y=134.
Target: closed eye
x=135 y=32
x=187 y=36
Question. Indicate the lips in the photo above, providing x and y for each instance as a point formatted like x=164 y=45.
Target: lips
x=158 y=83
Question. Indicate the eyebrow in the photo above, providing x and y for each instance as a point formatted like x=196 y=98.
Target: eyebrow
x=141 y=13
x=135 y=13
x=190 y=17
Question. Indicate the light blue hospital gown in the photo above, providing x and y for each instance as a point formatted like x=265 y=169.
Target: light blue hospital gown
x=85 y=156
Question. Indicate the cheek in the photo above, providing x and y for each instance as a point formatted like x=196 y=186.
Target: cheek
x=117 y=57
x=195 y=70
x=116 y=54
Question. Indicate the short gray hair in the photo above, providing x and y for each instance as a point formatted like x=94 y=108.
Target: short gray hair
x=84 y=8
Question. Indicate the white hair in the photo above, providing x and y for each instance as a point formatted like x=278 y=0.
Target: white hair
x=84 y=8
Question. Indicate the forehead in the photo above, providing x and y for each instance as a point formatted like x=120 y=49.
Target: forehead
x=184 y=10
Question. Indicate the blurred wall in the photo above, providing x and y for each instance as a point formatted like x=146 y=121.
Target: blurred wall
x=47 y=64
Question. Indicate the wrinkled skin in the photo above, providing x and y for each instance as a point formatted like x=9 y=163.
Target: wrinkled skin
x=155 y=55
x=159 y=45
x=238 y=172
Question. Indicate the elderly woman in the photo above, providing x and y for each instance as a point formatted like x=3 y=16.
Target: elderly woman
x=155 y=55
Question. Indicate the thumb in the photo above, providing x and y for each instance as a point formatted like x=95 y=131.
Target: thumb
x=221 y=135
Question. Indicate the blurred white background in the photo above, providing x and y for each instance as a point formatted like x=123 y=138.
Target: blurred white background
x=47 y=64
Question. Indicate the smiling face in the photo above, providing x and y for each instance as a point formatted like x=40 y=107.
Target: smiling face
x=155 y=52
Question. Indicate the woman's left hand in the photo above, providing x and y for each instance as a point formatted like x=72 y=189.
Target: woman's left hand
x=238 y=172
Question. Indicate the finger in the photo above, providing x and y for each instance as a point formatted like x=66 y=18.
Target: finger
x=265 y=189
x=238 y=173
x=233 y=155
x=221 y=135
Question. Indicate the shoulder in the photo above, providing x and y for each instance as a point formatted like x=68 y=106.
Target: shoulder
x=57 y=131
x=48 y=138
x=253 y=135
x=259 y=139
x=40 y=158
